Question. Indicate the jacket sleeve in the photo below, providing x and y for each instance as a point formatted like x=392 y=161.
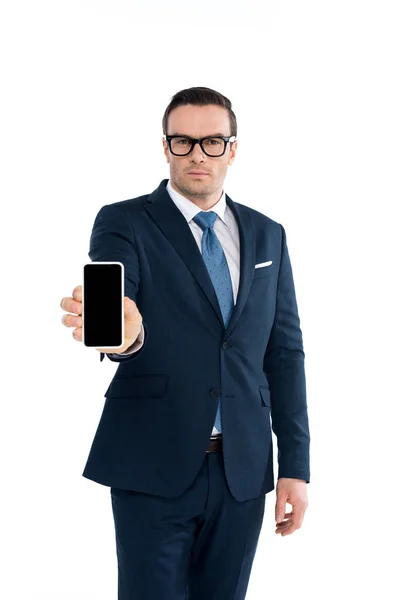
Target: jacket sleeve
x=112 y=239
x=284 y=368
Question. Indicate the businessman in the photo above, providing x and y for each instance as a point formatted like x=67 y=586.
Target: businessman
x=212 y=358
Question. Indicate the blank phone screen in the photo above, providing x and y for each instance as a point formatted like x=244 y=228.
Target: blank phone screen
x=102 y=304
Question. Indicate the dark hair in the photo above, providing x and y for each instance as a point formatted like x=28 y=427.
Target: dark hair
x=200 y=96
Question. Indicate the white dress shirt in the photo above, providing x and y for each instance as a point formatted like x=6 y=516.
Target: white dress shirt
x=227 y=232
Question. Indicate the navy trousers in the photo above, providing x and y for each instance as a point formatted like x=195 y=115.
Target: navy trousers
x=198 y=546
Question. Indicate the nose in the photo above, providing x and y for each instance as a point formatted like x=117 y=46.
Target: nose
x=197 y=153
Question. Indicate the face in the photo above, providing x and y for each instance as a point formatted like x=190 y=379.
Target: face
x=197 y=122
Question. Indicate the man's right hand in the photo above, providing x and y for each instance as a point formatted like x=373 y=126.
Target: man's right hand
x=132 y=320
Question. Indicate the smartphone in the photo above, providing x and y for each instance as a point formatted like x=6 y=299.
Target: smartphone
x=103 y=304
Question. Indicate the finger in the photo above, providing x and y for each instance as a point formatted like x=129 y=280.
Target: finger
x=288 y=514
x=283 y=524
x=70 y=305
x=289 y=530
x=77 y=293
x=284 y=527
x=71 y=321
x=295 y=521
x=77 y=334
x=280 y=508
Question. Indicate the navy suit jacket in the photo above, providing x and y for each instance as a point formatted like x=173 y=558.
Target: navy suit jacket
x=161 y=404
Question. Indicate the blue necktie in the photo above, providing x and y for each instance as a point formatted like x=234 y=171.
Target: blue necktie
x=215 y=261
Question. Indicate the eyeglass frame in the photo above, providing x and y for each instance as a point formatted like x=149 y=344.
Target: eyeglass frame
x=194 y=141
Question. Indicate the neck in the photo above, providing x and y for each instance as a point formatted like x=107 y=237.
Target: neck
x=203 y=203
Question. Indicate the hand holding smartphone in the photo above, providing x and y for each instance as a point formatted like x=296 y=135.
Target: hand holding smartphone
x=104 y=318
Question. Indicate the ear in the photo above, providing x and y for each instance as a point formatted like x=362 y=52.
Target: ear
x=232 y=152
x=165 y=147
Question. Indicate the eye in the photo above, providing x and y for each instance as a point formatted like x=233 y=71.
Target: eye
x=213 y=141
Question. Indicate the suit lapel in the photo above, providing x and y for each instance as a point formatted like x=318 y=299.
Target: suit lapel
x=173 y=224
x=247 y=259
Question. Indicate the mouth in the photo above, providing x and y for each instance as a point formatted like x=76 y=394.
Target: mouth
x=197 y=174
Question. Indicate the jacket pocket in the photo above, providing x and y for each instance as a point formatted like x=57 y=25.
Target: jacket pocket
x=139 y=386
x=265 y=396
x=266 y=271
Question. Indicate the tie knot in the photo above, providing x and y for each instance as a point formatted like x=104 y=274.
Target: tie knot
x=205 y=219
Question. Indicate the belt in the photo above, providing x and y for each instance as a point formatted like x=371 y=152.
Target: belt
x=215 y=444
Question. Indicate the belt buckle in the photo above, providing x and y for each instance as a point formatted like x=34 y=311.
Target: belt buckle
x=214 y=437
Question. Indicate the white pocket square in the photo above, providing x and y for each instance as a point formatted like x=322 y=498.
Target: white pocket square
x=264 y=264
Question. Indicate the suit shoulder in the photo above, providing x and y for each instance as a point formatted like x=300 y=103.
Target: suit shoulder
x=259 y=218
x=125 y=207
x=132 y=204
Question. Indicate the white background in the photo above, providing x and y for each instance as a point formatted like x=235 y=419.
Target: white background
x=315 y=88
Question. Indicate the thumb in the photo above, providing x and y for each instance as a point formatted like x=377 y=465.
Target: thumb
x=280 y=509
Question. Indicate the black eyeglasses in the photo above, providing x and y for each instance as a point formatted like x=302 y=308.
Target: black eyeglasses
x=180 y=145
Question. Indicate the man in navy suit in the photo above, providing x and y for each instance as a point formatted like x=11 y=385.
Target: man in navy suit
x=213 y=353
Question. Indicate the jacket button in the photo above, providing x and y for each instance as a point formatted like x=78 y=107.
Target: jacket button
x=225 y=345
x=214 y=393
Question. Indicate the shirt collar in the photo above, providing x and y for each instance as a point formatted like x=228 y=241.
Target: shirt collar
x=190 y=210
